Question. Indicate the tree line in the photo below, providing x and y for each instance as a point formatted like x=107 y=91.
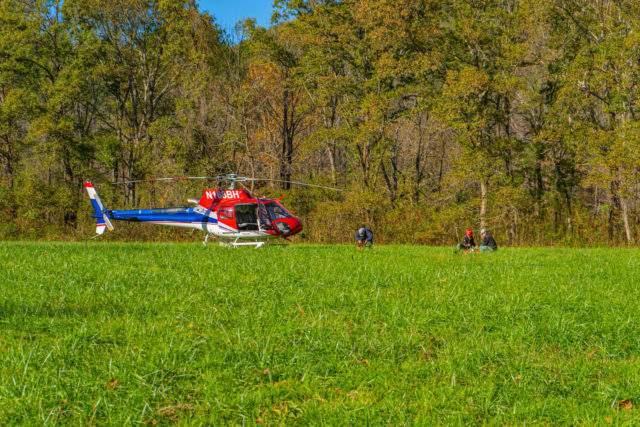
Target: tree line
x=520 y=116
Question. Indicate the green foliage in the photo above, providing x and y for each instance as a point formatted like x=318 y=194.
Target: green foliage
x=519 y=116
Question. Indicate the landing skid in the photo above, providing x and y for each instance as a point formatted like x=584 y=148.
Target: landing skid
x=236 y=243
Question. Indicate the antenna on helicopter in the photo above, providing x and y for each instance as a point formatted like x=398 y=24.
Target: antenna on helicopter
x=233 y=178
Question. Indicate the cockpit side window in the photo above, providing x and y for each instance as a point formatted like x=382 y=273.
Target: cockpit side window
x=277 y=211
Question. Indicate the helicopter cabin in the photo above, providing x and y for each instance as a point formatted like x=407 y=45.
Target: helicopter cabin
x=245 y=215
x=239 y=210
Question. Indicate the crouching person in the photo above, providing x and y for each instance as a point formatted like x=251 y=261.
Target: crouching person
x=364 y=238
x=467 y=242
x=488 y=243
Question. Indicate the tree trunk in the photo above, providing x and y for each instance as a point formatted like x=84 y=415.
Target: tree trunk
x=418 y=162
x=287 y=132
x=567 y=198
x=418 y=168
x=514 y=226
x=441 y=166
x=69 y=216
x=625 y=218
x=8 y=155
x=332 y=149
x=615 y=203
x=363 y=154
x=331 y=152
x=483 y=202
x=539 y=191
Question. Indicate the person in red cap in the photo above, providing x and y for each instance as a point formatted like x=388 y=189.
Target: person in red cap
x=467 y=242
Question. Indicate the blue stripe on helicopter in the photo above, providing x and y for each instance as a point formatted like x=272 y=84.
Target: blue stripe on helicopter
x=225 y=228
x=169 y=215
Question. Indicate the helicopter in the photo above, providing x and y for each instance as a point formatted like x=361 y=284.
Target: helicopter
x=232 y=215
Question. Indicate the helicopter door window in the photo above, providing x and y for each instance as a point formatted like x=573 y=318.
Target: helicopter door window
x=226 y=212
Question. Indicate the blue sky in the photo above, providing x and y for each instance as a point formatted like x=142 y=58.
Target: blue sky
x=228 y=12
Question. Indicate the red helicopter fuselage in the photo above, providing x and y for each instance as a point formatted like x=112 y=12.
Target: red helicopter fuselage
x=238 y=213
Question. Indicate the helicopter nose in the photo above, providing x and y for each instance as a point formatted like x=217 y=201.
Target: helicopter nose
x=297 y=226
x=289 y=226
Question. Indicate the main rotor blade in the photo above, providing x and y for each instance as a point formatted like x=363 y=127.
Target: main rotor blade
x=231 y=177
x=294 y=182
x=170 y=179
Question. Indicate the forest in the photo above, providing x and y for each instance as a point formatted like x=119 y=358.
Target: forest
x=433 y=116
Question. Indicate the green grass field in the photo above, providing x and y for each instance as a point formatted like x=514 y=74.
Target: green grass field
x=142 y=333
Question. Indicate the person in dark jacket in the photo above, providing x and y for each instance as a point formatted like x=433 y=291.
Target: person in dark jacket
x=364 y=238
x=488 y=243
x=467 y=241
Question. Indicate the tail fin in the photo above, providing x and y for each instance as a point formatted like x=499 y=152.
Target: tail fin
x=101 y=212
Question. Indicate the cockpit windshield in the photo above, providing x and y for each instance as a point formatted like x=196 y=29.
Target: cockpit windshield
x=276 y=211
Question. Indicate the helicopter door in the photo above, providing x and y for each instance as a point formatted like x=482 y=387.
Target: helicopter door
x=246 y=217
x=266 y=224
